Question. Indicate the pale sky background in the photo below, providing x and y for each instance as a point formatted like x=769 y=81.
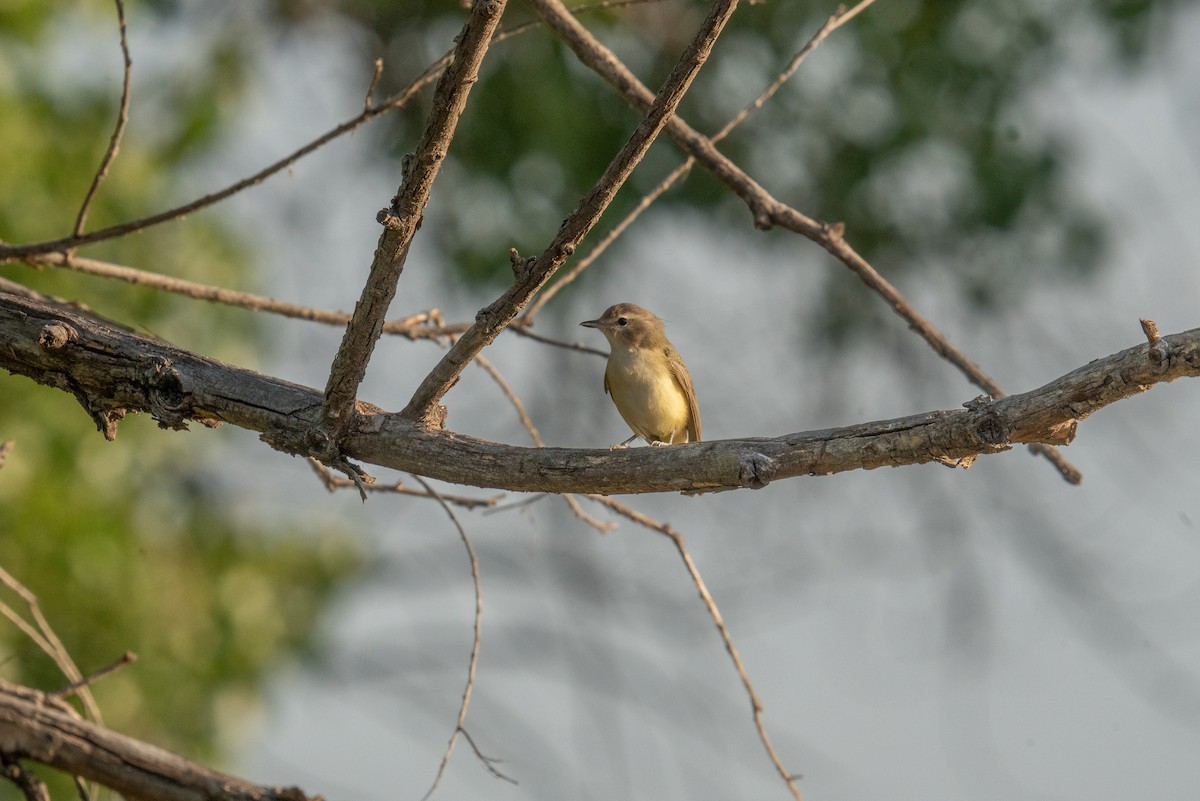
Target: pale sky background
x=917 y=633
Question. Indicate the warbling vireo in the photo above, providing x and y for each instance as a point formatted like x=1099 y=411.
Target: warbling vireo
x=646 y=378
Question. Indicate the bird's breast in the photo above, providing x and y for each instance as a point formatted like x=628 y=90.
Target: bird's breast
x=646 y=393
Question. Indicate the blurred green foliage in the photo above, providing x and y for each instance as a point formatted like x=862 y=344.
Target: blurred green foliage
x=135 y=545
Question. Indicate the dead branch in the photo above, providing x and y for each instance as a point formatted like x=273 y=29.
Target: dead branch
x=113 y=371
x=532 y=275
x=768 y=211
x=400 y=223
x=718 y=620
x=32 y=727
x=42 y=634
x=837 y=20
x=415 y=326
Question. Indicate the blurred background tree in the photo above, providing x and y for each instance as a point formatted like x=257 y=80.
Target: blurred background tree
x=137 y=546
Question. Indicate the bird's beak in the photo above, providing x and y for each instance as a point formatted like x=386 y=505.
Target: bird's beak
x=591 y=324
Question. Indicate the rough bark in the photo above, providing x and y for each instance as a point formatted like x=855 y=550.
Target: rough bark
x=38 y=728
x=112 y=371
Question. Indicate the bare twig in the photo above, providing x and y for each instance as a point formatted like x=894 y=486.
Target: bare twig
x=416 y=326
x=334 y=482
x=5 y=449
x=840 y=18
x=519 y=328
x=114 y=143
x=33 y=788
x=532 y=275
x=489 y=763
x=396 y=101
x=715 y=613
x=474 y=661
x=400 y=222
x=127 y=658
x=45 y=732
x=42 y=635
x=527 y=421
x=371 y=86
x=768 y=211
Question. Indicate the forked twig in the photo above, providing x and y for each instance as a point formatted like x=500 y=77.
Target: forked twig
x=402 y=219
x=530 y=276
x=719 y=621
x=127 y=658
x=334 y=482
x=392 y=103
x=527 y=421
x=489 y=763
x=398 y=100
x=768 y=211
x=42 y=635
x=33 y=788
x=474 y=661
x=840 y=18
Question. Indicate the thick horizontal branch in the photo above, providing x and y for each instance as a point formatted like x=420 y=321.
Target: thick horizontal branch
x=112 y=371
x=34 y=728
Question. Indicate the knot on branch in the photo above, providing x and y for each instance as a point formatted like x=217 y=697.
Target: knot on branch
x=389 y=219
x=522 y=268
x=990 y=428
x=57 y=335
x=320 y=444
x=168 y=395
x=106 y=421
x=488 y=318
x=1158 y=351
x=834 y=231
x=756 y=470
x=435 y=418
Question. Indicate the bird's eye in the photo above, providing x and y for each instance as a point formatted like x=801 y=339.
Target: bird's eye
x=622 y=321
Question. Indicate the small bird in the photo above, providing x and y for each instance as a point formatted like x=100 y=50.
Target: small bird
x=646 y=378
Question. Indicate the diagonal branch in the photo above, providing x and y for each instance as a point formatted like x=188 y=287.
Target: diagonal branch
x=768 y=211
x=718 y=620
x=37 y=729
x=398 y=100
x=13 y=252
x=401 y=221
x=837 y=20
x=532 y=275
x=114 y=143
x=112 y=371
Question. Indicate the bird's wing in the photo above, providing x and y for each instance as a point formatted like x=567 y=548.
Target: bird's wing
x=685 y=382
